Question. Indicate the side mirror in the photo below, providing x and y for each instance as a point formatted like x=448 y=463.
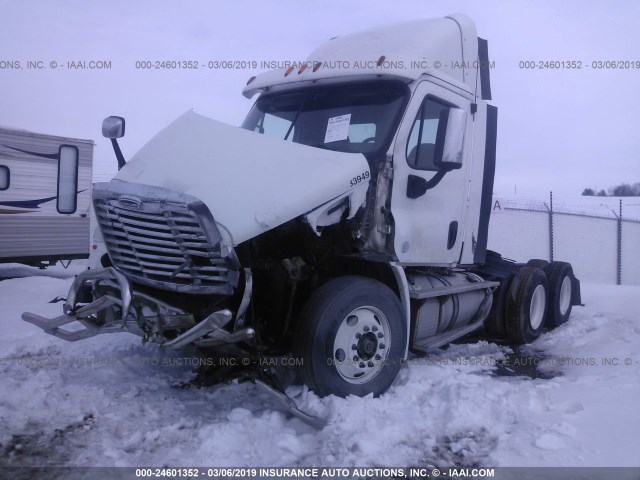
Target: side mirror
x=448 y=151
x=113 y=127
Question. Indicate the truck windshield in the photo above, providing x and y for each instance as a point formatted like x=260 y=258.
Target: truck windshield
x=354 y=118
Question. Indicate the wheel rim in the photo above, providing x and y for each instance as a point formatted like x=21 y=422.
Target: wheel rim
x=565 y=296
x=362 y=344
x=537 y=307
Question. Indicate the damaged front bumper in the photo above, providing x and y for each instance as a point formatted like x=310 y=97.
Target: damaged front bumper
x=118 y=308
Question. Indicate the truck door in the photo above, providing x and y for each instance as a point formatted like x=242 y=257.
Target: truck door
x=429 y=225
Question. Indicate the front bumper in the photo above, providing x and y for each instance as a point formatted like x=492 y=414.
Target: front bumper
x=118 y=308
x=111 y=313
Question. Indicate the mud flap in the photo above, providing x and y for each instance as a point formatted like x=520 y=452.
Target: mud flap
x=576 y=296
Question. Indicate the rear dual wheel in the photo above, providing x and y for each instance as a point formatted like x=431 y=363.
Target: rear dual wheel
x=560 y=276
x=526 y=305
x=539 y=295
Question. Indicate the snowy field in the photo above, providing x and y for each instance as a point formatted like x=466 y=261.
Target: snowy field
x=111 y=401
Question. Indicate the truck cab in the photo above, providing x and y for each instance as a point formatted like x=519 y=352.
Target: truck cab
x=344 y=226
x=394 y=85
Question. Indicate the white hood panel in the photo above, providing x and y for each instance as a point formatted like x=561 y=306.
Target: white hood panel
x=251 y=183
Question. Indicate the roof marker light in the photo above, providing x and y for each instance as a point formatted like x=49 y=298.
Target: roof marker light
x=316 y=66
x=289 y=70
x=251 y=80
x=302 y=69
x=381 y=60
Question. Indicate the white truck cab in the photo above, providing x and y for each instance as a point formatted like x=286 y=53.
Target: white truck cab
x=345 y=224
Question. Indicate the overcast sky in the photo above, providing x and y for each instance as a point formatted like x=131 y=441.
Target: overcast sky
x=560 y=130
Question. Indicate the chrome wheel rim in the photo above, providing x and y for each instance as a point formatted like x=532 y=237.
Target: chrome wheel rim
x=361 y=346
x=537 y=307
x=565 y=295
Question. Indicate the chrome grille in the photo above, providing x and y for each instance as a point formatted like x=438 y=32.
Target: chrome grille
x=163 y=244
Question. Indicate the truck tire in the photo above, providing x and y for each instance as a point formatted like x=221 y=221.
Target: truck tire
x=526 y=305
x=538 y=262
x=560 y=293
x=350 y=338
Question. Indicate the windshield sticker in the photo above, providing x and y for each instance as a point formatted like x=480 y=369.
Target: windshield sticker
x=337 y=128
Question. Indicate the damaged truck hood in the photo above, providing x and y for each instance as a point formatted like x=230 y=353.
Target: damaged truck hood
x=251 y=183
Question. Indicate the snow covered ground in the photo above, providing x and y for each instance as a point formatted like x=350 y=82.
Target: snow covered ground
x=111 y=401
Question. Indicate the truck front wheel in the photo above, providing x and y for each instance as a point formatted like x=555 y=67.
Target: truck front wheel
x=350 y=338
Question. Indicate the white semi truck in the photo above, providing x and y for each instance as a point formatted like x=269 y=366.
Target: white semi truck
x=344 y=225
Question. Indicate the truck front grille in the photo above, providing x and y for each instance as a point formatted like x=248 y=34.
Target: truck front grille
x=164 y=244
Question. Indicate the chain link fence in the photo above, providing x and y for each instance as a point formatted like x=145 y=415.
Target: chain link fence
x=593 y=234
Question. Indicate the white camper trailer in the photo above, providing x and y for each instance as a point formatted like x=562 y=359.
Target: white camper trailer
x=45 y=192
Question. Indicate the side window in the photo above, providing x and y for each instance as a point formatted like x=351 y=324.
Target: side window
x=5 y=177
x=422 y=139
x=67 y=179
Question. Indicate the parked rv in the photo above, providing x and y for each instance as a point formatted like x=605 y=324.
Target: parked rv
x=45 y=195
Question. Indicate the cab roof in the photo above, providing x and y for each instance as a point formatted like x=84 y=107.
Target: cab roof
x=446 y=48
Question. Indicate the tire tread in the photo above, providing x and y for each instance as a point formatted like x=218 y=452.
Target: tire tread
x=515 y=321
x=311 y=316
